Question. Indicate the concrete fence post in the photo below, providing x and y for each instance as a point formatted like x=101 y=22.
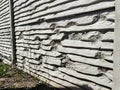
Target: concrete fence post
x=12 y=32
x=117 y=49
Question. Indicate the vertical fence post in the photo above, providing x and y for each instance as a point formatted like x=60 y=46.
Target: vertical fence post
x=12 y=32
x=116 y=68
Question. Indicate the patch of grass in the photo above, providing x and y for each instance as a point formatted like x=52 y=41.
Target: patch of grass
x=14 y=72
x=21 y=73
x=3 y=69
x=15 y=79
x=12 y=87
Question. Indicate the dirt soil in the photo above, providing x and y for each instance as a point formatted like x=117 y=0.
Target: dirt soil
x=14 y=79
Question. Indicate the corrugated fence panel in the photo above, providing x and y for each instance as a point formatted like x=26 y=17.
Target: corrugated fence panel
x=67 y=43
x=5 y=37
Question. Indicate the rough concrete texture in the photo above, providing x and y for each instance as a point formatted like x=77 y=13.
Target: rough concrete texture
x=67 y=43
x=5 y=38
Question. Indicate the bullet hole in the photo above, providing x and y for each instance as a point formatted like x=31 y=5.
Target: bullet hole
x=55 y=48
x=94 y=38
x=53 y=26
x=26 y=49
x=71 y=24
x=41 y=20
x=20 y=36
x=37 y=38
x=69 y=64
x=102 y=17
x=64 y=62
x=75 y=36
x=102 y=70
x=46 y=8
x=52 y=43
x=23 y=58
x=96 y=18
x=57 y=31
x=99 y=55
x=65 y=37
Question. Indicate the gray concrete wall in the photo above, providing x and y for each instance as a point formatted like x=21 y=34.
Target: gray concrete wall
x=5 y=38
x=66 y=43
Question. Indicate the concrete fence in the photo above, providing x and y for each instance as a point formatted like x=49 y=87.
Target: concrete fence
x=65 y=43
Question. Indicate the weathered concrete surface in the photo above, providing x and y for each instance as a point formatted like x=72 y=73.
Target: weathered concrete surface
x=69 y=43
x=117 y=49
x=5 y=33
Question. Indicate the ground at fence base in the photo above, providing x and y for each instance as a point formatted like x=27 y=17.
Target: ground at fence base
x=14 y=79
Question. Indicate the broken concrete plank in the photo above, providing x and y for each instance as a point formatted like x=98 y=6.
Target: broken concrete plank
x=35 y=32
x=28 y=54
x=51 y=67
x=69 y=11
x=90 y=8
x=52 y=78
x=96 y=80
x=33 y=61
x=57 y=36
x=48 y=48
x=109 y=58
x=94 y=62
x=28 y=46
x=35 y=37
x=20 y=48
x=98 y=26
x=91 y=36
x=109 y=36
x=53 y=53
x=19 y=57
x=72 y=79
x=47 y=53
x=83 y=68
x=46 y=42
x=82 y=52
x=20 y=61
x=19 y=64
x=82 y=44
x=52 y=61
x=109 y=74
x=28 y=41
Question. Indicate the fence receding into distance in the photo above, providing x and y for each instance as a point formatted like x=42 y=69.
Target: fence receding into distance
x=65 y=43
